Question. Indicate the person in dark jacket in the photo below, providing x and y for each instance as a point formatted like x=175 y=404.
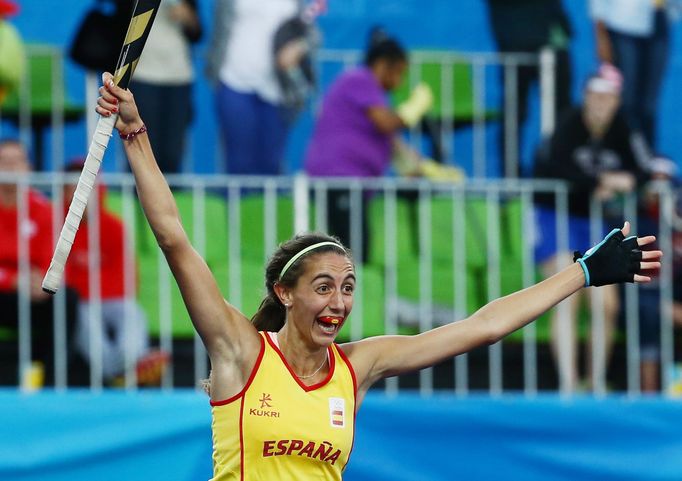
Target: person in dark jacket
x=594 y=150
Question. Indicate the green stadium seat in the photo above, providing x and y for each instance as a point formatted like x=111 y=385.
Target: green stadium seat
x=405 y=233
x=514 y=224
x=215 y=217
x=217 y=239
x=371 y=289
x=215 y=222
x=442 y=255
x=149 y=295
x=442 y=234
x=114 y=203
x=443 y=286
x=216 y=252
x=253 y=218
x=42 y=62
x=252 y=212
x=443 y=239
x=461 y=111
x=252 y=292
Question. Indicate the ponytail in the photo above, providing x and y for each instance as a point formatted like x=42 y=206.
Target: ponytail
x=270 y=316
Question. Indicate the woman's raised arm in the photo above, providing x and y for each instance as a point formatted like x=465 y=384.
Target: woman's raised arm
x=226 y=333
x=615 y=259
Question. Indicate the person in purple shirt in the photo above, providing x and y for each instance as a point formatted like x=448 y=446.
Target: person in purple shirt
x=355 y=134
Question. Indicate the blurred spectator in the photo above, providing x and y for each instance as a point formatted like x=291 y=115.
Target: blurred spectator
x=163 y=80
x=253 y=111
x=356 y=133
x=527 y=26
x=12 y=54
x=634 y=35
x=595 y=151
x=96 y=44
x=677 y=259
x=663 y=171
x=36 y=232
x=124 y=337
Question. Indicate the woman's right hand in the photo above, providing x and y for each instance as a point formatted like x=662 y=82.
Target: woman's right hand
x=115 y=100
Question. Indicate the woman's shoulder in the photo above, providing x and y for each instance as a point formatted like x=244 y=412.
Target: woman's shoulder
x=361 y=352
x=356 y=75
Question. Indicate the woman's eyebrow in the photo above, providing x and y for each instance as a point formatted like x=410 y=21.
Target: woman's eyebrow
x=322 y=275
x=325 y=275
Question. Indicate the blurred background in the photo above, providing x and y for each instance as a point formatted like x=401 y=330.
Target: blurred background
x=345 y=25
x=463 y=150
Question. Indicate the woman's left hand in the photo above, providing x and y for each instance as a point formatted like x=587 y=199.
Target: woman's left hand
x=115 y=100
x=618 y=258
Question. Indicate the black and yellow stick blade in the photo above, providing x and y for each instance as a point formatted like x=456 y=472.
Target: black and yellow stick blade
x=141 y=22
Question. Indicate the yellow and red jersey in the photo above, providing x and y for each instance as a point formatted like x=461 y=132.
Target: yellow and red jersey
x=279 y=428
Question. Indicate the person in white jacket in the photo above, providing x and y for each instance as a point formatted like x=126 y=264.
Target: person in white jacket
x=634 y=35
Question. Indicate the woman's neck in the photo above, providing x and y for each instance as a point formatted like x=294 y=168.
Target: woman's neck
x=303 y=358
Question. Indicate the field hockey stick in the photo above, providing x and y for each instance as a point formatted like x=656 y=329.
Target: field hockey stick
x=140 y=24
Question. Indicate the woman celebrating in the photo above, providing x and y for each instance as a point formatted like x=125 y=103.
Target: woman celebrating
x=283 y=394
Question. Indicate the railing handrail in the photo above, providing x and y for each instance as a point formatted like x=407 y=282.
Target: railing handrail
x=284 y=181
x=433 y=55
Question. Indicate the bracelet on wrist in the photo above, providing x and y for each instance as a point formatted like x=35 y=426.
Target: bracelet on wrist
x=133 y=134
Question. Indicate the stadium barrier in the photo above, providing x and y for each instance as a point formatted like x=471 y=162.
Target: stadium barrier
x=162 y=435
x=437 y=252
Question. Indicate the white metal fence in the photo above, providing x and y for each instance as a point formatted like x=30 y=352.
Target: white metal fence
x=437 y=252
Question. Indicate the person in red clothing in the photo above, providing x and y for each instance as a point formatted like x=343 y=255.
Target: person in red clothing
x=36 y=239
x=124 y=336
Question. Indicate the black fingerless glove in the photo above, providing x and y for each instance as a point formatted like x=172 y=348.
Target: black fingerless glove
x=615 y=259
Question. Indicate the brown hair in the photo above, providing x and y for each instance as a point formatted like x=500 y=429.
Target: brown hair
x=271 y=313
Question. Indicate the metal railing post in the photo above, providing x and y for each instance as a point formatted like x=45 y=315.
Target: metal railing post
x=547 y=91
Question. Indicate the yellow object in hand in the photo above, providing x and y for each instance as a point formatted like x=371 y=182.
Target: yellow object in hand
x=416 y=105
x=432 y=170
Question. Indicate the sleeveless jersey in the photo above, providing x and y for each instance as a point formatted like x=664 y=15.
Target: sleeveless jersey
x=277 y=428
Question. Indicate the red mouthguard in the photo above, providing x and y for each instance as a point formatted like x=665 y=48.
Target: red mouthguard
x=329 y=320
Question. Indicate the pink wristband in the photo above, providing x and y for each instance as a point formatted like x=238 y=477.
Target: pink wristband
x=131 y=135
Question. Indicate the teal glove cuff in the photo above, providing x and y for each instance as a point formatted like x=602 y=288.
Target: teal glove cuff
x=615 y=259
x=585 y=271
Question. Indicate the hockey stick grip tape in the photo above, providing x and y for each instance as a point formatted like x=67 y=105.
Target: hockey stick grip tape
x=86 y=181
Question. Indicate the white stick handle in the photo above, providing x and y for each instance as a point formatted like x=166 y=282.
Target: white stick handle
x=98 y=145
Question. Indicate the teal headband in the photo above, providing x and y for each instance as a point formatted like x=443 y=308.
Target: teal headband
x=302 y=252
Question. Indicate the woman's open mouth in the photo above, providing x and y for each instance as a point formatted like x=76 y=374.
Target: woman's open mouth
x=330 y=324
